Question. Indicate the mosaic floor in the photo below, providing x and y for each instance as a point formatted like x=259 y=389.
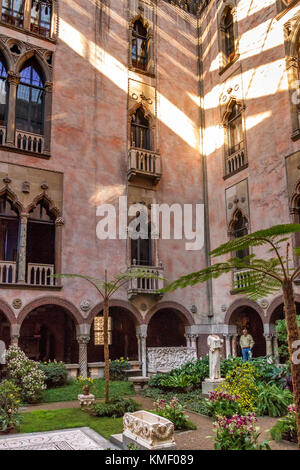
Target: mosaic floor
x=65 y=439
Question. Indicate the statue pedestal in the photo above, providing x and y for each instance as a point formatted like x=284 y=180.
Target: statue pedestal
x=210 y=385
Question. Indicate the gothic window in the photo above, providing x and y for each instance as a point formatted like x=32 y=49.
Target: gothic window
x=139 y=46
x=3 y=94
x=9 y=226
x=41 y=235
x=235 y=129
x=30 y=99
x=140 y=131
x=13 y=12
x=141 y=249
x=240 y=229
x=41 y=11
x=229 y=48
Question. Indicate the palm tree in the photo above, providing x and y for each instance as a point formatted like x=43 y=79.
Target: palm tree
x=107 y=289
x=264 y=277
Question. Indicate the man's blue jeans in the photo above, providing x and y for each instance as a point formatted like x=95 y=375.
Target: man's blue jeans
x=246 y=353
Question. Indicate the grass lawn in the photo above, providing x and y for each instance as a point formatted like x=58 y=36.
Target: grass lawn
x=69 y=392
x=51 y=420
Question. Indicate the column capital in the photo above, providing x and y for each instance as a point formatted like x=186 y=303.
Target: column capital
x=59 y=221
x=13 y=77
x=83 y=339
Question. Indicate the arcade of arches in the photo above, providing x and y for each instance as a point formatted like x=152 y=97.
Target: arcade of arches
x=52 y=332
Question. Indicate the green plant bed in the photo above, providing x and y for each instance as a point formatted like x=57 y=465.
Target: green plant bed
x=69 y=392
x=190 y=400
x=50 y=420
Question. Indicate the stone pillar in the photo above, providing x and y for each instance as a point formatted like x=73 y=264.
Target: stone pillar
x=13 y=80
x=193 y=341
x=27 y=14
x=21 y=264
x=15 y=334
x=139 y=348
x=142 y=334
x=47 y=116
x=275 y=348
x=234 y=345
x=228 y=345
x=269 y=348
x=188 y=340
x=59 y=223
x=83 y=340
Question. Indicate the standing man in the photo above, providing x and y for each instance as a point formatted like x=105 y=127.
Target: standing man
x=246 y=343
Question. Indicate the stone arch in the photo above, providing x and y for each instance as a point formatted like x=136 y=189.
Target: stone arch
x=8 y=312
x=141 y=18
x=7 y=57
x=244 y=302
x=48 y=300
x=275 y=304
x=227 y=108
x=234 y=219
x=40 y=60
x=13 y=197
x=184 y=314
x=52 y=207
x=115 y=303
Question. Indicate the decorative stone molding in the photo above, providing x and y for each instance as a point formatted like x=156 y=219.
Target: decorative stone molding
x=237 y=199
x=17 y=304
x=85 y=305
x=149 y=430
x=168 y=358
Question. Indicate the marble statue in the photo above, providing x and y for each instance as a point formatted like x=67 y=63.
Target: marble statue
x=215 y=343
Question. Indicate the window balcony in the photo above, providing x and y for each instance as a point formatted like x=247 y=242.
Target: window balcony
x=38 y=275
x=144 y=163
x=142 y=286
x=235 y=162
x=240 y=279
x=8 y=272
x=29 y=142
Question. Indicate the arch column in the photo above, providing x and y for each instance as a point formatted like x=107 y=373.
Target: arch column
x=234 y=345
x=21 y=265
x=15 y=334
x=13 y=80
x=47 y=116
x=228 y=339
x=83 y=338
x=276 y=348
x=269 y=346
x=141 y=333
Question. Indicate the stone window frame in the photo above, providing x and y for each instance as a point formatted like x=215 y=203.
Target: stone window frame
x=224 y=64
x=23 y=219
x=230 y=234
x=292 y=48
x=284 y=5
x=225 y=115
x=14 y=63
x=27 y=21
x=150 y=41
x=152 y=125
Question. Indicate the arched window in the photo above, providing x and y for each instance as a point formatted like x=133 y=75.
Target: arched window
x=41 y=235
x=140 y=131
x=13 y=12
x=3 y=94
x=30 y=99
x=240 y=229
x=41 y=11
x=229 y=46
x=139 y=46
x=9 y=226
x=235 y=129
x=141 y=249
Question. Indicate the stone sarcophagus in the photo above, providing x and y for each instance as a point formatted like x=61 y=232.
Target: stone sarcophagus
x=166 y=359
x=148 y=431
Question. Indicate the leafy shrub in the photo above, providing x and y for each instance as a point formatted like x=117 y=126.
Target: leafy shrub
x=9 y=406
x=179 y=382
x=281 y=330
x=86 y=383
x=55 y=372
x=117 y=369
x=238 y=433
x=116 y=408
x=241 y=382
x=173 y=411
x=25 y=374
x=270 y=373
x=223 y=404
x=155 y=380
x=273 y=401
x=286 y=428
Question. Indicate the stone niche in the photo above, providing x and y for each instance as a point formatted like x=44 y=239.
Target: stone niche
x=168 y=358
x=148 y=431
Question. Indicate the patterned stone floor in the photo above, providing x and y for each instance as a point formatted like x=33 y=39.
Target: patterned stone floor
x=65 y=439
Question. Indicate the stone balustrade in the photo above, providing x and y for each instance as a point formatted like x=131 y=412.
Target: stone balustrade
x=29 y=141
x=2 y=135
x=144 y=163
x=235 y=162
x=39 y=274
x=144 y=285
x=240 y=279
x=8 y=272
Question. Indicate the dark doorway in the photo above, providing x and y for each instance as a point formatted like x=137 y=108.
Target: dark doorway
x=247 y=317
x=166 y=328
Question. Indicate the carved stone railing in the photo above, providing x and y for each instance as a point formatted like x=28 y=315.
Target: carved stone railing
x=2 y=134
x=29 y=141
x=168 y=358
x=144 y=163
x=8 y=272
x=39 y=274
x=241 y=279
x=145 y=285
x=235 y=162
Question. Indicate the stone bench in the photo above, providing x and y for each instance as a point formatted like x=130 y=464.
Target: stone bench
x=139 y=383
